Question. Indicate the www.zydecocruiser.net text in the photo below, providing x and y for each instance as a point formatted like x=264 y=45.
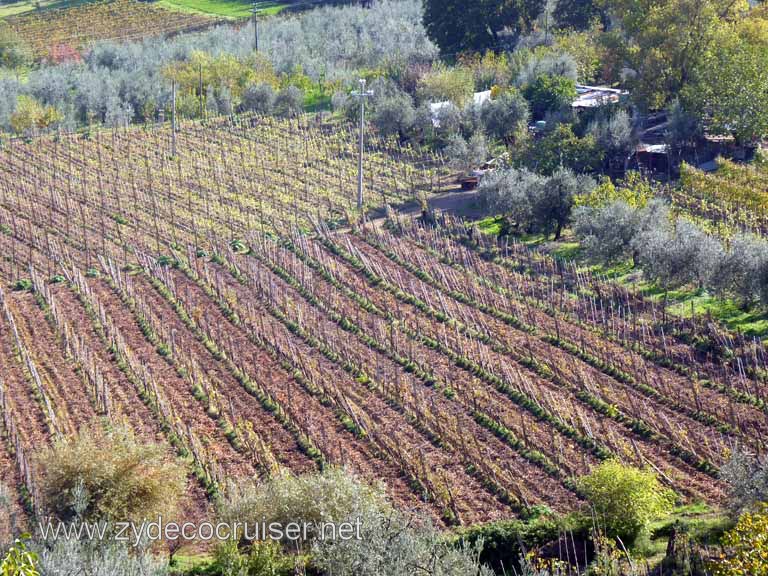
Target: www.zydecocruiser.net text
x=158 y=530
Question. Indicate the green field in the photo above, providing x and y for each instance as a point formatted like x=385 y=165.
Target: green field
x=225 y=8
x=234 y=9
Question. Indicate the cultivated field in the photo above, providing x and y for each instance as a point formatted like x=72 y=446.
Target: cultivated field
x=207 y=301
x=83 y=24
x=735 y=197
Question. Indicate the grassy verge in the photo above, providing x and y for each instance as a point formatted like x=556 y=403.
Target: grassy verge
x=699 y=522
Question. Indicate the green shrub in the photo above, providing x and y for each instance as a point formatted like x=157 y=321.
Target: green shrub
x=23 y=285
x=746 y=546
x=100 y=475
x=257 y=559
x=506 y=542
x=97 y=557
x=329 y=496
x=393 y=544
x=548 y=93
x=19 y=561
x=624 y=499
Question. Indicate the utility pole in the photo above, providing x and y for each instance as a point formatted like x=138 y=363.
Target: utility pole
x=255 y=27
x=200 y=91
x=173 y=120
x=361 y=95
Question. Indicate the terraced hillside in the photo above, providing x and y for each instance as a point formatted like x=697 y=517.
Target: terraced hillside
x=79 y=26
x=219 y=301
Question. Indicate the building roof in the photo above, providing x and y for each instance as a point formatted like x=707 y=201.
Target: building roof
x=595 y=96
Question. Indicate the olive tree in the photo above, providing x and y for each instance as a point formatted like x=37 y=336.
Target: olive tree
x=390 y=542
x=613 y=133
x=506 y=116
x=509 y=192
x=289 y=102
x=535 y=202
x=259 y=98
x=747 y=477
x=741 y=271
x=678 y=254
x=607 y=232
x=395 y=115
x=553 y=204
x=464 y=155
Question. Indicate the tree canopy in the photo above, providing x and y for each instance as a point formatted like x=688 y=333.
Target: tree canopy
x=665 y=40
x=461 y=26
x=738 y=58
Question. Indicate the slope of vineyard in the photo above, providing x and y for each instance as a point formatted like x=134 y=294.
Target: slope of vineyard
x=81 y=25
x=735 y=196
x=217 y=301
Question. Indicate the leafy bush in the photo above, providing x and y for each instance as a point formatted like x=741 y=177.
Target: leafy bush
x=108 y=476
x=561 y=148
x=259 y=98
x=97 y=558
x=329 y=496
x=549 y=93
x=747 y=478
x=19 y=561
x=393 y=545
x=506 y=116
x=505 y=542
x=256 y=559
x=746 y=545
x=635 y=190
x=624 y=500
x=30 y=115
x=443 y=83
x=289 y=102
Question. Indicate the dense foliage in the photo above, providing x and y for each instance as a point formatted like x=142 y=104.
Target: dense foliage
x=533 y=202
x=458 y=26
x=624 y=500
x=119 y=83
x=109 y=476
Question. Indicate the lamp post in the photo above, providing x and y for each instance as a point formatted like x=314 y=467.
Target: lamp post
x=361 y=95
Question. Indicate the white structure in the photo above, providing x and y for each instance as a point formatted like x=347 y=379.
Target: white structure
x=435 y=108
x=595 y=96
